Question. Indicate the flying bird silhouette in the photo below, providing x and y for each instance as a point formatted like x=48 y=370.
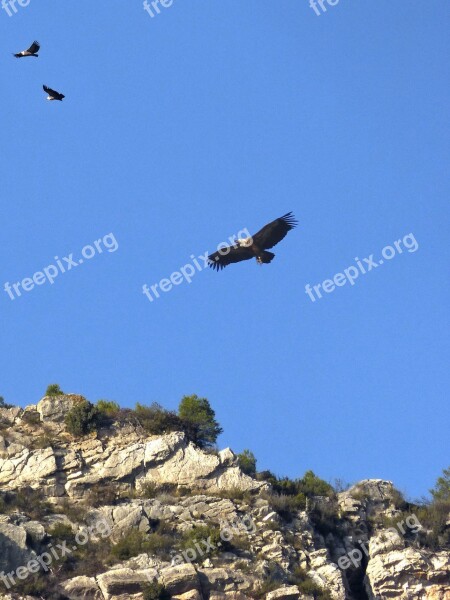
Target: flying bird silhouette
x=256 y=246
x=52 y=95
x=32 y=51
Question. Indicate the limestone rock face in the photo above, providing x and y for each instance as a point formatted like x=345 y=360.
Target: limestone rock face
x=409 y=573
x=151 y=493
x=326 y=574
x=284 y=593
x=121 y=582
x=180 y=579
x=55 y=408
x=82 y=588
x=20 y=466
x=14 y=551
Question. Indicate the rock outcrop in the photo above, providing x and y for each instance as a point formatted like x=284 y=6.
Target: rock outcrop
x=189 y=520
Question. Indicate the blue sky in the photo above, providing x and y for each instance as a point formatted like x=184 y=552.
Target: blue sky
x=177 y=132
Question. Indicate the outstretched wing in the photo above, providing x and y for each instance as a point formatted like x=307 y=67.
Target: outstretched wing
x=274 y=232
x=53 y=93
x=229 y=255
x=35 y=46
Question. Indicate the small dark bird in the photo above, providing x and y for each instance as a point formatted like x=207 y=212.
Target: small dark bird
x=52 y=95
x=32 y=51
x=256 y=246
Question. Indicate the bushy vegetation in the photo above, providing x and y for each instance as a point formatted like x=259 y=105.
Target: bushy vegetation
x=38 y=585
x=247 y=462
x=156 y=420
x=199 y=420
x=286 y=506
x=135 y=542
x=28 y=501
x=3 y=404
x=83 y=418
x=54 y=390
x=291 y=495
x=309 y=485
x=62 y=532
x=195 y=418
x=234 y=493
x=101 y=494
x=46 y=439
x=31 y=417
x=108 y=408
x=432 y=516
x=441 y=491
x=204 y=532
x=155 y=591
x=310 y=589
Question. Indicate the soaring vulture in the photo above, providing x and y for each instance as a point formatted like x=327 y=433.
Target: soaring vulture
x=32 y=51
x=256 y=246
x=52 y=95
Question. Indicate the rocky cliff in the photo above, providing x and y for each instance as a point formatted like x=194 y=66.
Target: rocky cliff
x=119 y=514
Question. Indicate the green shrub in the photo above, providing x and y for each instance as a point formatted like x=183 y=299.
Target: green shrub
x=101 y=494
x=149 y=490
x=199 y=421
x=3 y=404
x=155 y=591
x=135 y=542
x=325 y=516
x=108 y=408
x=247 y=462
x=309 y=485
x=44 y=440
x=204 y=532
x=62 y=532
x=265 y=586
x=34 y=585
x=74 y=512
x=441 y=491
x=29 y=501
x=244 y=565
x=286 y=506
x=156 y=420
x=54 y=390
x=82 y=419
x=398 y=500
x=310 y=588
x=306 y=585
x=234 y=493
x=433 y=517
x=31 y=417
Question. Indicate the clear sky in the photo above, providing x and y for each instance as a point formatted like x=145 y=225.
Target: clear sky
x=177 y=132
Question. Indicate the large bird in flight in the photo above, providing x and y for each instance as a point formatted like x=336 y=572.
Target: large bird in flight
x=32 y=51
x=256 y=246
x=52 y=95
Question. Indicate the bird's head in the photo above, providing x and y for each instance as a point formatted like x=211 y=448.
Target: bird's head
x=245 y=242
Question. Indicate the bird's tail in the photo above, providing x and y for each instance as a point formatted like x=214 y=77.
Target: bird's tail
x=265 y=257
